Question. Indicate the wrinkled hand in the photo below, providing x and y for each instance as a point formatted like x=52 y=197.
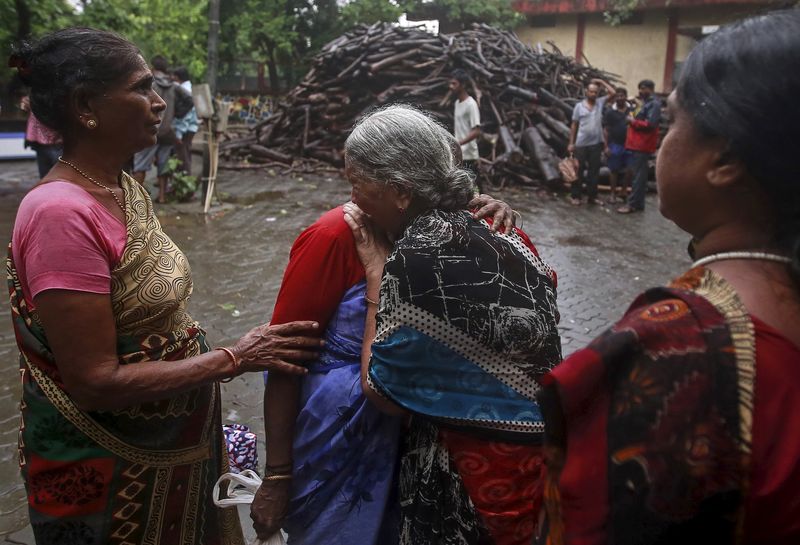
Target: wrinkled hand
x=272 y=347
x=503 y=216
x=372 y=245
x=269 y=507
x=25 y=104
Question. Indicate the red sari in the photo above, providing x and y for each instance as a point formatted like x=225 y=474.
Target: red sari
x=661 y=431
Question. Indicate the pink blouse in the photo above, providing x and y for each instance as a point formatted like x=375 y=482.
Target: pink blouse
x=63 y=238
x=36 y=131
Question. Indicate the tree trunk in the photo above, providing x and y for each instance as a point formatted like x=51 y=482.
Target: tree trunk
x=272 y=68
x=23 y=19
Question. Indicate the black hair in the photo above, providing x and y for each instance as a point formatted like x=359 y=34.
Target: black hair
x=460 y=76
x=70 y=60
x=740 y=84
x=159 y=63
x=648 y=83
x=621 y=90
x=181 y=73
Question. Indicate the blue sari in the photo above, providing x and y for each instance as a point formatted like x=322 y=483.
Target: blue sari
x=345 y=450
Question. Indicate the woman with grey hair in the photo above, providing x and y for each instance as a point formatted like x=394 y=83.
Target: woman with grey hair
x=461 y=321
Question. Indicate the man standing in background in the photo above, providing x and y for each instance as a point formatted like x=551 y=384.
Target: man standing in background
x=642 y=141
x=615 y=125
x=172 y=94
x=185 y=127
x=586 y=142
x=467 y=123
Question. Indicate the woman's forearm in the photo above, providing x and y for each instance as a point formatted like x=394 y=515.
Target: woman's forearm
x=115 y=386
x=281 y=406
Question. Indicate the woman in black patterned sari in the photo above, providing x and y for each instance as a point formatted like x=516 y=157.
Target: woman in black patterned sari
x=462 y=321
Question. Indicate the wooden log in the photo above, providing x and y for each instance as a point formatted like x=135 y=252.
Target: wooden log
x=546 y=133
x=553 y=100
x=380 y=65
x=474 y=66
x=512 y=151
x=522 y=93
x=267 y=153
x=558 y=128
x=543 y=154
x=416 y=42
x=351 y=66
x=306 y=124
x=236 y=144
x=510 y=146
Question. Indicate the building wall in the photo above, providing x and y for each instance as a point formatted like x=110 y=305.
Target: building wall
x=634 y=51
x=564 y=34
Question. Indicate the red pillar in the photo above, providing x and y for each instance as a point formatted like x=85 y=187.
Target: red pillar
x=672 y=40
x=579 y=38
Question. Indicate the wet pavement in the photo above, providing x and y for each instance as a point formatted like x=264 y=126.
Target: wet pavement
x=239 y=251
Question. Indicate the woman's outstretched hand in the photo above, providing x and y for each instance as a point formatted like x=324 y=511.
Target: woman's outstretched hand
x=372 y=245
x=274 y=347
x=504 y=218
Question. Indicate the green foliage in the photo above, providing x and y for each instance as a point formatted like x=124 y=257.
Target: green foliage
x=620 y=10
x=368 y=12
x=176 y=29
x=285 y=33
x=462 y=13
x=21 y=19
x=183 y=184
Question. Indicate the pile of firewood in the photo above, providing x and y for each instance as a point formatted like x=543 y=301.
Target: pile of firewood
x=526 y=97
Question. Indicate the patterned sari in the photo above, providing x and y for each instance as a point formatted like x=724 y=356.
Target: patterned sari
x=345 y=450
x=466 y=324
x=649 y=427
x=140 y=475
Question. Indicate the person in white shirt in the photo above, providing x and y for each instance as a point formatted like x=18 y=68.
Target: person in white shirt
x=467 y=123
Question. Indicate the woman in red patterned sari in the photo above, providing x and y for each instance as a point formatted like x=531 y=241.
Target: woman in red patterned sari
x=679 y=424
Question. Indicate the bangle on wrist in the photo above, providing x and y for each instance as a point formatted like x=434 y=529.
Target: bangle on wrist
x=233 y=359
x=283 y=477
x=370 y=301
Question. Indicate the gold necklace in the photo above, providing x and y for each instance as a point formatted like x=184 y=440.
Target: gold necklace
x=95 y=182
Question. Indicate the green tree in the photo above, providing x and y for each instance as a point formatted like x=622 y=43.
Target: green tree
x=176 y=29
x=284 y=34
x=261 y=30
x=20 y=20
x=368 y=12
x=619 y=10
x=459 y=14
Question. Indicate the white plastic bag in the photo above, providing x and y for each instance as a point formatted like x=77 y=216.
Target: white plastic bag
x=240 y=489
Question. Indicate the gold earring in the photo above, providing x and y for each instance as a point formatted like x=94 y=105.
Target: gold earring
x=92 y=124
